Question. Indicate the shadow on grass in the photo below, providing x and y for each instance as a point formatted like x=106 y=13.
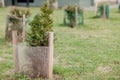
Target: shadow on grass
x=64 y=25
x=85 y=26
x=94 y=17
x=67 y=25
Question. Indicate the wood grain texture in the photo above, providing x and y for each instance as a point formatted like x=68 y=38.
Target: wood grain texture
x=15 y=50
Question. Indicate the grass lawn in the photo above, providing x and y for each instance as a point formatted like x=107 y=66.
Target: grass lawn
x=87 y=52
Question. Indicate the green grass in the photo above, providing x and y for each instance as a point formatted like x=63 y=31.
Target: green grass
x=87 y=52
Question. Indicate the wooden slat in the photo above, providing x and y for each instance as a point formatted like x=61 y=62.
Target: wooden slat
x=51 y=50
x=15 y=50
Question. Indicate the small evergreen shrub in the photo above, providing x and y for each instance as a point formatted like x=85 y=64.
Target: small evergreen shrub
x=70 y=12
x=16 y=13
x=71 y=8
x=40 y=27
x=100 y=10
x=14 y=21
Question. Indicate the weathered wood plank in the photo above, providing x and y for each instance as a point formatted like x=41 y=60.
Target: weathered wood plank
x=51 y=51
x=15 y=50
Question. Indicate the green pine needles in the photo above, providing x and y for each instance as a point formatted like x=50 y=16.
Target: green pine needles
x=40 y=27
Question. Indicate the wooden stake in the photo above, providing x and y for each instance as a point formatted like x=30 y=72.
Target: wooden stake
x=51 y=50
x=24 y=19
x=76 y=15
x=6 y=25
x=15 y=50
x=104 y=11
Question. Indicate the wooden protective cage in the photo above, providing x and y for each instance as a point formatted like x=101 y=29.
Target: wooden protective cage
x=34 y=61
x=73 y=18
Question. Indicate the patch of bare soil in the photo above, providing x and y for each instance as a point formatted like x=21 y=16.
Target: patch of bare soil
x=105 y=69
